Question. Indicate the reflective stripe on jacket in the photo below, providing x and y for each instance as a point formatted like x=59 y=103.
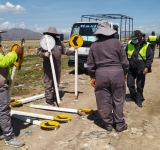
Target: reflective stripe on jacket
x=152 y=38
x=142 y=52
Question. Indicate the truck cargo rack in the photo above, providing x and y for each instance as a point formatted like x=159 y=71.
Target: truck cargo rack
x=99 y=17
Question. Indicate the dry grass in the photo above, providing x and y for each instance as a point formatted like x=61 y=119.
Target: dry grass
x=29 y=78
x=30 y=46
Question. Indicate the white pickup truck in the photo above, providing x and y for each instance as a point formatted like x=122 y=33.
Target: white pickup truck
x=86 y=30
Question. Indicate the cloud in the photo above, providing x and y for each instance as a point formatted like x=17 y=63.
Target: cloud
x=65 y=31
x=1 y=19
x=42 y=29
x=147 y=29
x=9 y=25
x=144 y=29
x=39 y=29
x=12 y=8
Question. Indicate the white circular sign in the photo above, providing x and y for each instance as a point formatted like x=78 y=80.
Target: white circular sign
x=51 y=42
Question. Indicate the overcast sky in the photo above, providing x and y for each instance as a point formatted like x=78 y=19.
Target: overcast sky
x=38 y=15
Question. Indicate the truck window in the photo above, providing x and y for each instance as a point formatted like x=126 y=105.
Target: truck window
x=86 y=30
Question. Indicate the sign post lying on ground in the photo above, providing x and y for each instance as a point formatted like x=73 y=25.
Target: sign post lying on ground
x=43 y=124
x=79 y=111
x=76 y=41
x=59 y=118
x=20 y=102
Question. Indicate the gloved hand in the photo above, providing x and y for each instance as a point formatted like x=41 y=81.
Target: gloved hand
x=92 y=82
x=72 y=52
x=19 y=50
x=47 y=54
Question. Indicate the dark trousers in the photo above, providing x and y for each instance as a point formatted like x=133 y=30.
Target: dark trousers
x=110 y=95
x=153 y=49
x=5 y=119
x=136 y=92
x=49 y=87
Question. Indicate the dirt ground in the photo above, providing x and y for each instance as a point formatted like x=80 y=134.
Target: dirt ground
x=84 y=132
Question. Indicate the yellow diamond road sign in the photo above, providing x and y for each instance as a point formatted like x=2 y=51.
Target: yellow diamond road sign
x=76 y=41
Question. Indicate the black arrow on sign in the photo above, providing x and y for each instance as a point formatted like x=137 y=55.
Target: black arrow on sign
x=75 y=41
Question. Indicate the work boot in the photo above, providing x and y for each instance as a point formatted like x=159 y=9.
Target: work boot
x=122 y=129
x=139 y=105
x=49 y=103
x=14 y=142
x=109 y=128
x=129 y=99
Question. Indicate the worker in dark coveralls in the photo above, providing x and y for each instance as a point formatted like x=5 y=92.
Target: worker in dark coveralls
x=6 y=62
x=57 y=51
x=153 y=40
x=108 y=67
x=140 y=56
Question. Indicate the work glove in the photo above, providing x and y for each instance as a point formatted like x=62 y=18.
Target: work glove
x=72 y=52
x=92 y=82
x=19 y=50
x=47 y=54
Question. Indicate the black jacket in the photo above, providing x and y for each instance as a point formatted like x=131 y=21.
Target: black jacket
x=139 y=65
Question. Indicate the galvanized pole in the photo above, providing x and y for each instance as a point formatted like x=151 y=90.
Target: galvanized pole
x=76 y=74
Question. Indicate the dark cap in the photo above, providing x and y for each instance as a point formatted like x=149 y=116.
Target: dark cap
x=136 y=34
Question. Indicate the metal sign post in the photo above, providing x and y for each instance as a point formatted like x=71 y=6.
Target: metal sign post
x=76 y=74
x=47 y=42
x=76 y=41
x=49 y=124
x=20 y=102
x=80 y=111
x=59 y=118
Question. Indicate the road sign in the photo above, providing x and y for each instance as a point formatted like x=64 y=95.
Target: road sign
x=76 y=41
x=51 y=41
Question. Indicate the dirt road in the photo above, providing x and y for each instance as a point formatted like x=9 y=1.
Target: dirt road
x=83 y=132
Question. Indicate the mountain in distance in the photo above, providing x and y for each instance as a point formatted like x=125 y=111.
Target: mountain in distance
x=18 y=33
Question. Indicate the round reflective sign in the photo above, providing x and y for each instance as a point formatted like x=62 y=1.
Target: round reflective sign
x=47 y=39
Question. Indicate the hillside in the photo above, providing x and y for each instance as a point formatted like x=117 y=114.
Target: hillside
x=18 y=33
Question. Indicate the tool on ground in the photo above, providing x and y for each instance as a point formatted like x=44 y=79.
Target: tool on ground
x=17 y=65
x=15 y=103
x=59 y=118
x=48 y=124
x=47 y=42
x=80 y=111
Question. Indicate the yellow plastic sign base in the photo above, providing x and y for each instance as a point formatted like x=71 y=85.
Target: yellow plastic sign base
x=62 y=118
x=15 y=103
x=82 y=111
x=48 y=124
